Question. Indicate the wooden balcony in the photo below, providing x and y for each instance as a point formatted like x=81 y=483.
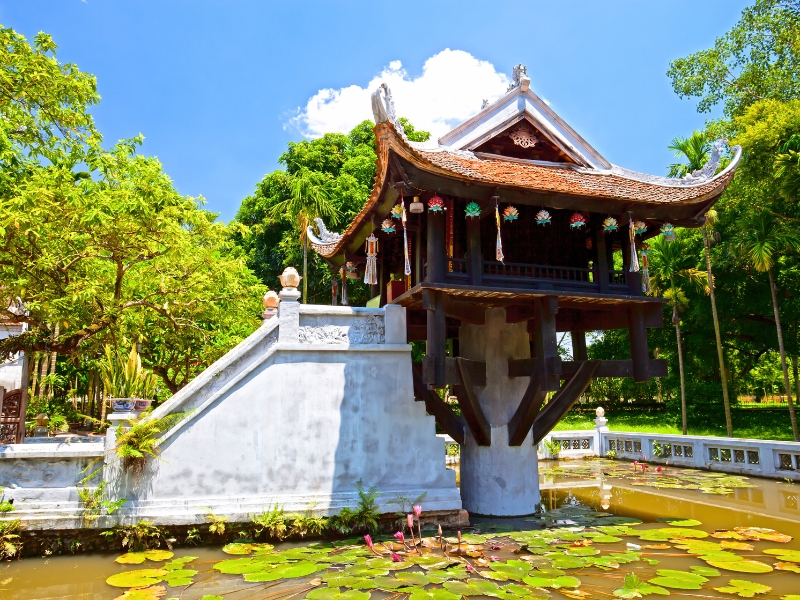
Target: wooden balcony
x=536 y=277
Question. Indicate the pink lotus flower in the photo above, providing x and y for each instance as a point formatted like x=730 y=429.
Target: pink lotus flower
x=396 y=557
x=400 y=537
x=496 y=547
x=658 y=469
x=417 y=510
x=368 y=540
x=494 y=558
x=440 y=531
x=410 y=519
x=459 y=538
x=470 y=568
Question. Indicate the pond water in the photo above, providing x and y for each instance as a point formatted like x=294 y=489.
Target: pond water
x=689 y=534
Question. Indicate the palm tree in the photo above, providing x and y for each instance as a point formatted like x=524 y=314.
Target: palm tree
x=308 y=200
x=695 y=150
x=762 y=238
x=787 y=168
x=671 y=267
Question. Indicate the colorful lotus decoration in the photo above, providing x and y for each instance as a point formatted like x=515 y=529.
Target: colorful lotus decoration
x=610 y=224
x=577 y=220
x=473 y=210
x=387 y=226
x=436 y=204
x=510 y=214
x=542 y=217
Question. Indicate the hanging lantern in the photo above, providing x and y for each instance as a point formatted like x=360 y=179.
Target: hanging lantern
x=542 y=217
x=577 y=220
x=407 y=266
x=668 y=231
x=640 y=227
x=610 y=224
x=499 y=246
x=371 y=272
x=473 y=210
x=435 y=204
x=416 y=206
x=352 y=271
x=343 y=274
x=510 y=214
x=397 y=211
x=387 y=226
x=645 y=271
x=634 y=266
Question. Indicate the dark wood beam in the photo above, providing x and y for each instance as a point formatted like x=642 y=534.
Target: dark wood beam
x=451 y=423
x=579 y=345
x=638 y=344
x=465 y=311
x=602 y=259
x=525 y=367
x=437 y=252
x=583 y=319
x=476 y=369
x=520 y=312
x=471 y=408
x=545 y=342
x=563 y=400
x=474 y=255
x=435 y=359
x=529 y=407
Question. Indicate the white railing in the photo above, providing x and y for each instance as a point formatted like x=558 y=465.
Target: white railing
x=763 y=458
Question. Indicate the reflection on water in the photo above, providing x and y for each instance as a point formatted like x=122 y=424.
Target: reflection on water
x=592 y=483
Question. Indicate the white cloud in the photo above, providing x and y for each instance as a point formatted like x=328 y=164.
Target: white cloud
x=450 y=90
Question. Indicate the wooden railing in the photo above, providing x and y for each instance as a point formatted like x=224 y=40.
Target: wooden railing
x=493 y=269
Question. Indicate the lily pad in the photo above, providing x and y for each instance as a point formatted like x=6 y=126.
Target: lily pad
x=741 y=566
x=442 y=575
x=705 y=571
x=680 y=522
x=137 y=578
x=246 y=548
x=537 y=580
x=635 y=588
x=149 y=593
x=668 y=533
x=787 y=566
x=413 y=578
x=179 y=577
x=679 y=580
x=763 y=534
x=784 y=555
x=744 y=588
x=472 y=587
x=137 y=558
x=431 y=594
x=334 y=593
x=512 y=569
x=288 y=571
x=178 y=563
x=241 y=566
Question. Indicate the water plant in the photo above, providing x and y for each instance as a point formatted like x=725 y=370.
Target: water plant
x=140 y=536
x=366 y=513
x=553 y=447
x=307 y=523
x=93 y=502
x=10 y=545
x=612 y=454
x=217 y=523
x=272 y=520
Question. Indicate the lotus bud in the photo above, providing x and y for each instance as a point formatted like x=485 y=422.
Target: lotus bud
x=410 y=519
x=417 y=510
x=400 y=537
x=396 y=557
x=470 y=568
x=440 y=530
x=459 y=537
x=368 y=540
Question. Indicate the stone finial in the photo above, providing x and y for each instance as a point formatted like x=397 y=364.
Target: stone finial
x=271 y=302
x=600 y=412
x=600 y=423
x=290 y=279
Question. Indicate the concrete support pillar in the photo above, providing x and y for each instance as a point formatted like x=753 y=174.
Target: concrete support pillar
x=499 y=479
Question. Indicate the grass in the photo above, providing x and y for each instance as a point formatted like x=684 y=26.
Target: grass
x=753 y=424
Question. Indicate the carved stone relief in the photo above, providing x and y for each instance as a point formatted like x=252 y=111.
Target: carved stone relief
x=365 y=330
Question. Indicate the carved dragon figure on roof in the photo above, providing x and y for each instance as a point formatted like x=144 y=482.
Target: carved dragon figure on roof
x=708 y=170
x=325 y=237
x=383 y=108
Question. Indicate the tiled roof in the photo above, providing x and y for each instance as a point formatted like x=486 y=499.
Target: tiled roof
x=616 y=184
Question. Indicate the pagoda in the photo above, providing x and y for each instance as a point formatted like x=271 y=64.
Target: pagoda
x=504 y=232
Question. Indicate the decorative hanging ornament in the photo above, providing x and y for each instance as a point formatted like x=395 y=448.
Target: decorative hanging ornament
x=416 y=206
x=577 y=220
x=334 y=291
x=397 y=211
x=640 y=227
x=371 y=272
x=352 y=271
x=668 y=231
x=407 y=267
x=473 y=210
x=645 y=271
x=387 y=226
x=436 y=204
x=343 y=274
x=634 y=266
x=510 y=214
x=610 y=224
x=499 y=246
x=542 y=217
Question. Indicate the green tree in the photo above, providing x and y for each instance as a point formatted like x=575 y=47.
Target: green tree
x=671 y=270
x=762 y=239
x=787 y=168
x=758 y=59
x=693 y=149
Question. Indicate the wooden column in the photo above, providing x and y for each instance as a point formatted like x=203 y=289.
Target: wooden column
x=382 y=275
x=546 y=343
x=474 y=255
x=579 y=345
x=417 y=274
x=437 y=261
x=602 y=259
x=638 y=340
x=23 y=402
x=434 y=365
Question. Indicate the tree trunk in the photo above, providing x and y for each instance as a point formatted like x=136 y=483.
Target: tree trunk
x=677 y=322
x=785 y=368
x=796 y=385
x=53 y=359
x=42 y=374
x=725 y=398
x=305 y=268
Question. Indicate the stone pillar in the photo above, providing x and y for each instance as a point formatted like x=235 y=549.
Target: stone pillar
x=499 y=479
x=289 y=307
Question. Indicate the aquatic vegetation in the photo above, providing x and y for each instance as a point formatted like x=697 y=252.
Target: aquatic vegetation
x=744 y=588
x=217 y=524
x=307 y=523
x=10 y=545
x=634 y=588
x=272 y=520
x=140 y=536
x=93 y=502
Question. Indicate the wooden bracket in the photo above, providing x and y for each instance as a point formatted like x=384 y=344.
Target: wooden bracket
x=563 y=400
x=450 y=422
x=525 y=367
x=522 y=421
x=471 y=408
x=465 y=311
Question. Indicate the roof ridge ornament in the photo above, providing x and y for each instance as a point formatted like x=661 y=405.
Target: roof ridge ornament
x=383 y=108
x=520 y=78
x=325 y=237
x=708 y=170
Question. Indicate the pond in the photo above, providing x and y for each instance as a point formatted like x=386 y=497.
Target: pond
x=608 y=529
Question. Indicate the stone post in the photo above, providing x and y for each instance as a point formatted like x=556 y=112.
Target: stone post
x=271 y=302
x=600 y=427
x=289 y=308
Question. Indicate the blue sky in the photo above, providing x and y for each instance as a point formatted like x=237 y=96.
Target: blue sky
x=218 y=88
